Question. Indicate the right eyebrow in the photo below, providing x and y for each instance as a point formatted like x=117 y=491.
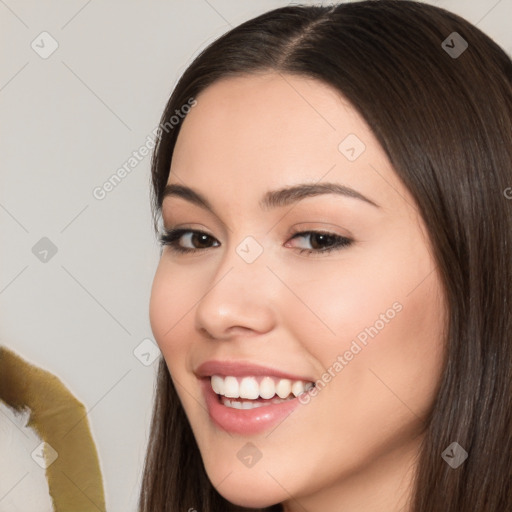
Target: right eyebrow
x=273 y=198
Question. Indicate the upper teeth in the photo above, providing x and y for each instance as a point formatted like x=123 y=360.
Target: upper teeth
x=254 y=387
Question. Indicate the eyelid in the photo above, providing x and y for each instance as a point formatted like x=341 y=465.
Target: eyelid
x=321 y=226
x=340 y=241
x=171 y=237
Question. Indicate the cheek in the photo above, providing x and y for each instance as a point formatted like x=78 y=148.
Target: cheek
x=386 y=295
x=170 y=302
x=376 y=324
x=407 y=356
x=390 y=385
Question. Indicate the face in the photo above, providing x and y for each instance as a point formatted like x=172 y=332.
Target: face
x=333 y=286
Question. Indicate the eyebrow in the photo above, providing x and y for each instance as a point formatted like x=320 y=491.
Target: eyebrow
x=274 y=198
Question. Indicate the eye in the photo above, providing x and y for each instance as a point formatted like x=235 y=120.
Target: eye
x=190 y=236
x=322 y=241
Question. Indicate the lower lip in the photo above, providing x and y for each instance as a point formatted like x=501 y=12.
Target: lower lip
x=245 y=421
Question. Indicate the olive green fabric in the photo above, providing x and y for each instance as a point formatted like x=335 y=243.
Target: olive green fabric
x=74 y=477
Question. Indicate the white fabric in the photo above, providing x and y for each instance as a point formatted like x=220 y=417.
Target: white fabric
x=23 y=483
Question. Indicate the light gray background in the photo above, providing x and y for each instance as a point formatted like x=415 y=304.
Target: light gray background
x=68 y=123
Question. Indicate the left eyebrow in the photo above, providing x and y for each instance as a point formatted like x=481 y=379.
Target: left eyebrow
x=289 y=195
x=274 y=198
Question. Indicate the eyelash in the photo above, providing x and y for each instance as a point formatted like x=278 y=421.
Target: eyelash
x=171 y=238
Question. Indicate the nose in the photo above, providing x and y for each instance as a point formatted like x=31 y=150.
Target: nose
x=238 y=299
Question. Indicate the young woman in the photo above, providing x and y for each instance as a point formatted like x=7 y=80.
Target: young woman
x=333 y=299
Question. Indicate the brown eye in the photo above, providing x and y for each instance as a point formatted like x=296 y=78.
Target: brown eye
x=196 y=240
x=322 y=242
x=199 y=238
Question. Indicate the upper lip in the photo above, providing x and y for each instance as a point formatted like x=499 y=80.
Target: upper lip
x=243 y=369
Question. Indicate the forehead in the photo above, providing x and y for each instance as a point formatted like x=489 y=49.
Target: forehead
x=274 y=114
x=268 y=130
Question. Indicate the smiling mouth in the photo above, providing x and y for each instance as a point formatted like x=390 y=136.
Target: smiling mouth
x=256 y=391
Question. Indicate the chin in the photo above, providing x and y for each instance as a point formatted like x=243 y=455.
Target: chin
x=247 y=487
x=258 y=497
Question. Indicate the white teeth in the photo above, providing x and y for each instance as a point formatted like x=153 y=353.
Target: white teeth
x=218 y=384
x=267 y=388
x=242 y=405
x=298 y=387
x=249 y=388
x=284 y=388
x=231 y=388
x=252 y=388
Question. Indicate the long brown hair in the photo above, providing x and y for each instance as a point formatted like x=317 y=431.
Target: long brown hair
x=445 y=122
